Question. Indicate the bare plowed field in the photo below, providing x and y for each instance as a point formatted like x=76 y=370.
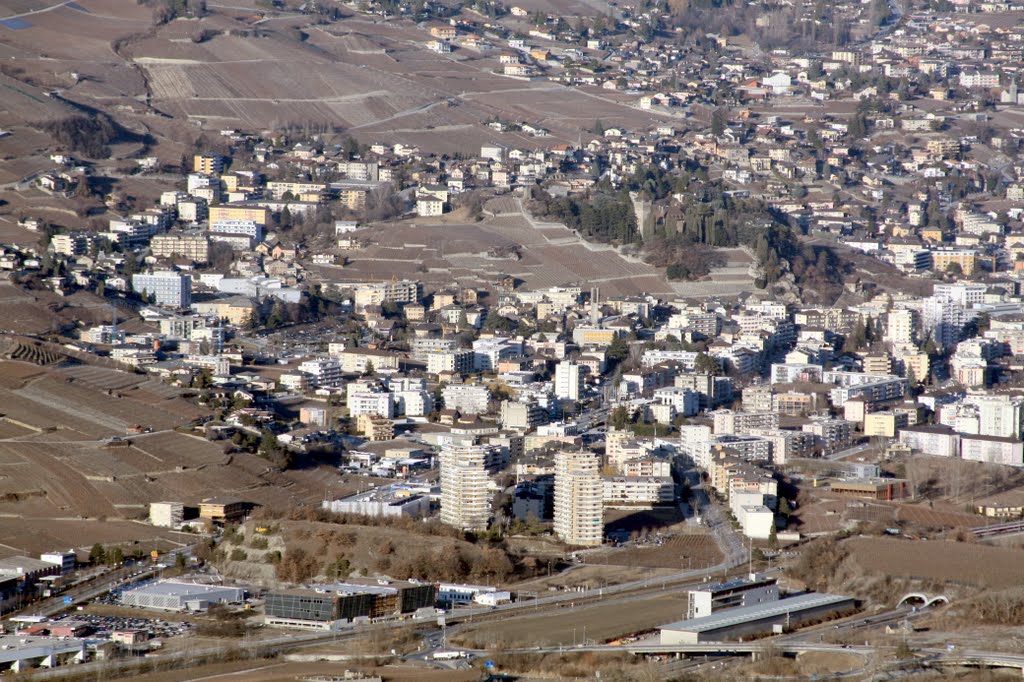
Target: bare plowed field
x=32 y=536
x=954 y=562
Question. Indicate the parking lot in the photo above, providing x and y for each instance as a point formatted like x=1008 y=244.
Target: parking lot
x=103 y=625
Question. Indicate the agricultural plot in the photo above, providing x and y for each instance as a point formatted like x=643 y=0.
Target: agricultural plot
x=101 y=378
x=15 y=374
x=679 y=551
x=71 y=34
x=9 y=429
x=551 y=255
x=43 y=470
x=33 y=536
x=949 y=562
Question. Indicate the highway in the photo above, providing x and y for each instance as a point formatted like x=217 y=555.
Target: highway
x=97 y=586
x=1009 y=528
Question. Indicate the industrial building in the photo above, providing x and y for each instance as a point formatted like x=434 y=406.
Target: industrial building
x=166 y=514
x=759 y=619
x=325 y=607
x=451 y=594
x=223 y=509
x=388 y=501
x=742 y=592
x=18 y=653
x=67 y=561
x=171 y=595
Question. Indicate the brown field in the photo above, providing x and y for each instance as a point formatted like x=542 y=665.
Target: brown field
x=605 y=622
x=440 y=252
x=53 y=463
x=32 y=536
x=274 y=671
x=827 y=514
x=677 y=551
x=949 y=562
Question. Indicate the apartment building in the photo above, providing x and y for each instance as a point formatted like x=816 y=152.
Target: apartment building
x=466 y=398
x=742 y=423
x=379 y=293
x=458 y=361
x=938 y=440
x=569 y=380
x=322 y=372
x=195 y=247
x=579 y=494
x=238 y=213
x=167 y=288
x=359 y=360
x=208 y=164
x=465 y=496
x=638 y=492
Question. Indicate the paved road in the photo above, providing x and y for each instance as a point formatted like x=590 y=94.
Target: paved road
x=848 y=452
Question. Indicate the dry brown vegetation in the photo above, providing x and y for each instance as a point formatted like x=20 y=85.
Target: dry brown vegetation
x=349 y=545
x=882 y=570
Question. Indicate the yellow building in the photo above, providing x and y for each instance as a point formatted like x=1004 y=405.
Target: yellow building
x=917 y=365
x=584 y=336
x=210 y=164
x=931 y=234
x=374 y=428
x=237 y=311
x=883 y=424
x=943 y=258
x=277 y=190
x=944 y=147
x=880 y=363
x=792 y=402
x=220 y=509
x=354 y=199
x=228 y=212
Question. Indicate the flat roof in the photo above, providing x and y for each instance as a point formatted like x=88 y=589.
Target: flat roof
x=341 y=589
x=746 y=614
x=734 y=584
x=171 y=588
x=22 y=647
x=24 y=563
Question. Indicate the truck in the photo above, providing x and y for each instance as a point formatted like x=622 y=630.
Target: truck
x=448 y=655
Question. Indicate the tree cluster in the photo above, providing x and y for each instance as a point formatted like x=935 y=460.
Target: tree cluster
x=603 y=216
x=89 y=135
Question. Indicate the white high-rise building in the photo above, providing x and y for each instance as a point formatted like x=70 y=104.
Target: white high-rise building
x=944 y=318
x=900 y=327
x=999 y=415
x=569 y=380
x=579 y=499
x=465 y=498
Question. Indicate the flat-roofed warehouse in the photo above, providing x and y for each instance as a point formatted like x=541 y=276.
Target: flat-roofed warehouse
x=759 y=619
x=325 y=606
x=171 y=595
x=21 y=653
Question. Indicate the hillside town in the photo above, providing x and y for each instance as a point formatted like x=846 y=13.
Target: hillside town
x=709 y=331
